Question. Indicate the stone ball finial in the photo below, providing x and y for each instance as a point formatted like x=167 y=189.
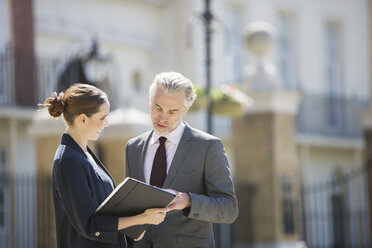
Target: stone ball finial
x=259 y=38
x=262 y=75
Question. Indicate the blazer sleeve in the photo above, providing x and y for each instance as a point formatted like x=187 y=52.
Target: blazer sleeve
x=80 y=206
x=219 y=205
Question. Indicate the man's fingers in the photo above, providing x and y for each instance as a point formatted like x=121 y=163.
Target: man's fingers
x=141 y=236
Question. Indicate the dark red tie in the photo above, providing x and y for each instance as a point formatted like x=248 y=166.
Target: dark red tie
x=159 y=166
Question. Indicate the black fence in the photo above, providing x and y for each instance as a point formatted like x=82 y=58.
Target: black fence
x=45 y=71
x=336 y=212
x=27 y=215
x=53 y=74
x=330 y=115
x=26 y=211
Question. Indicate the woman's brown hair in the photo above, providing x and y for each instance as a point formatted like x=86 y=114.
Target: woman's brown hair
x=78 y=99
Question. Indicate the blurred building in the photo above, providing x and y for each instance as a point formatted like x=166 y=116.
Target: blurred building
x=322 y=52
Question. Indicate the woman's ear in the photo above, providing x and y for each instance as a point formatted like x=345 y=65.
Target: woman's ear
x=82 y=118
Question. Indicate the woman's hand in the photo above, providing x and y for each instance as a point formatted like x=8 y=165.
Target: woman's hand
x=154 y=216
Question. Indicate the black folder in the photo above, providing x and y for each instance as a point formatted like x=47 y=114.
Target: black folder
x=132 y=197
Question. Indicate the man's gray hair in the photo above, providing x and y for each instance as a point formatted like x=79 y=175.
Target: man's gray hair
x=173 y=83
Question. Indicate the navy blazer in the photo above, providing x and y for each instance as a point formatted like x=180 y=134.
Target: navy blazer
x=78 y=189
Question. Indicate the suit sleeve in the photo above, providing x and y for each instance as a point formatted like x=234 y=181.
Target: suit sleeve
x=219 y=205
x=80 y=206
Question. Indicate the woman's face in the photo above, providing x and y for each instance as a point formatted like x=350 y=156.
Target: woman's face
x=97 y=122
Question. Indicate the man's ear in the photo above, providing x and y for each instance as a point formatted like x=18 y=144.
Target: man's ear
x=184 y=113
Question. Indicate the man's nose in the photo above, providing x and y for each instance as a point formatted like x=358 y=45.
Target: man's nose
x=163 y=117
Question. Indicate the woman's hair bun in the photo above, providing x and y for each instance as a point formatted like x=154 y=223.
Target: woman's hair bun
x=55 y=104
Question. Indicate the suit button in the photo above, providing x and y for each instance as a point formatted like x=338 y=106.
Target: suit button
x=97 y=234
x=196 y=216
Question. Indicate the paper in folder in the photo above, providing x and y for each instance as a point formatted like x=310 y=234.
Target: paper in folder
x=132 y=197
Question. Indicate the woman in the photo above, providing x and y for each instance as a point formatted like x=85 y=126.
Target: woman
x=80 y=181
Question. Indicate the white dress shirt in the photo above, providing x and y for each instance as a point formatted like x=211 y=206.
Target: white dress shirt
x=171 y=144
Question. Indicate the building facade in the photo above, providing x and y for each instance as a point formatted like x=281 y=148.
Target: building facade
x=321 y=51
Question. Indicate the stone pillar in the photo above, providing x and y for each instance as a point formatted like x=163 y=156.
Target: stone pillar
x=266 y=171
x=367 y=123
x=265 y=157
x=23 y=45
x=113 y=157
x=366 y=117
x=46 y=132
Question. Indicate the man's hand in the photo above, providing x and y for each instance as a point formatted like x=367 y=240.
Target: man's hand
x=141 y=236
x=182 y=200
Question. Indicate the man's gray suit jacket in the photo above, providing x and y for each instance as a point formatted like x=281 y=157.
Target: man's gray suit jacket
x=200 y=167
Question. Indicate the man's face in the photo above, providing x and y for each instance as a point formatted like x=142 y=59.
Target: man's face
x=167 y=111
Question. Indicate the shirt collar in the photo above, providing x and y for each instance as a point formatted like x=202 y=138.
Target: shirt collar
x=174 y=136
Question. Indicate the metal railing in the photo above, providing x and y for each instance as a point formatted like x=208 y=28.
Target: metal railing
x=26 y=210
x=328 y=115
x=46 y=73
x=336 y=212
x=50 y=74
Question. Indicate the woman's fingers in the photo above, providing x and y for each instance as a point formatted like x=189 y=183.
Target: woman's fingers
x=155 y=216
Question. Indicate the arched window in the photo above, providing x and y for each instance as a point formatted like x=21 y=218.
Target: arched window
x=137 y=80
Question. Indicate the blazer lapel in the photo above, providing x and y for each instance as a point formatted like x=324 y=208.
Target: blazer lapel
x=182 y=150
x=68 y=140
x=100 y=164
x=139 y=169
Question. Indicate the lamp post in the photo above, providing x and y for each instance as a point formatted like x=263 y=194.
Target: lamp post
x=208 y=18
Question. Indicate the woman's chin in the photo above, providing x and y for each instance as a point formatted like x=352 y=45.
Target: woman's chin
x=94 y=137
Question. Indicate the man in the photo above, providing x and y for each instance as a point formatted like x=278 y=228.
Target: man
x=192 y=163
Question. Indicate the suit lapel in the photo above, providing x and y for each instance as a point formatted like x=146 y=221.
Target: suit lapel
x=139 y=170
x=182 y=150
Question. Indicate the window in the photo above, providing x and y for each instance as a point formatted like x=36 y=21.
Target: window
x=338 y=219
x=288 y=205
x=234 y=48
x=137 y=81
x=4 y=186
x=333 y=75
x=332 y=59
x=3 y=24
x=286 y=50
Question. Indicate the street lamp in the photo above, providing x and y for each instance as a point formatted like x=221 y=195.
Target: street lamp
x=96 y=66
x=208 y=18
